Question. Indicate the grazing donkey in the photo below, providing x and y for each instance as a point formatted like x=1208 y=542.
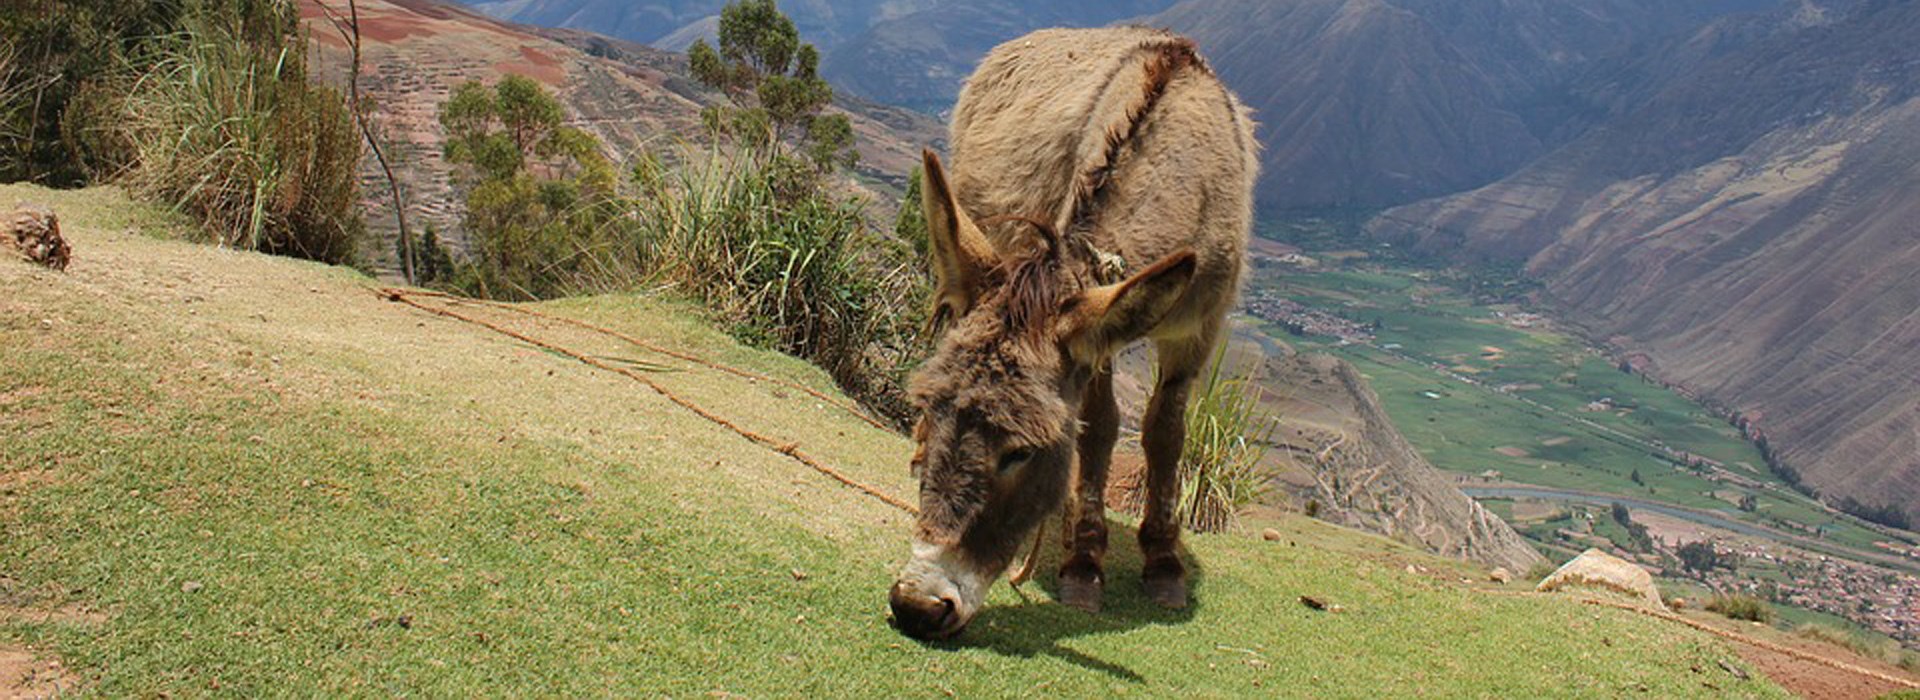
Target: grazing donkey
x=1078 y=156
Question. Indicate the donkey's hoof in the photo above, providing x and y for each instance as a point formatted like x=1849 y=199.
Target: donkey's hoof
x=1082 y=593
x=1167 y=591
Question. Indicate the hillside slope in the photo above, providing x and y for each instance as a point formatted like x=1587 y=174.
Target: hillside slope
x=1370 y=103
x=631 y=97
x=222 y=473
x=1749 y=236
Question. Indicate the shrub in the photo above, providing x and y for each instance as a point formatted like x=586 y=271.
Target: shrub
x=1740 y=607
x=225 y=126
x=61 y=49
x=433 y=265
x=785 y=263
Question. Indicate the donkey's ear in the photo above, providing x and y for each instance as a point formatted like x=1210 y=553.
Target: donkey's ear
x=1101 y=320
x=961 y=254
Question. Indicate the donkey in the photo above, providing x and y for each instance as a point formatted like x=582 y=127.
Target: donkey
x=1077 y=155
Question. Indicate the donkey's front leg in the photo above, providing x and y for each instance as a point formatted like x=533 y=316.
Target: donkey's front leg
x=1164 y=435
x=1081 y=577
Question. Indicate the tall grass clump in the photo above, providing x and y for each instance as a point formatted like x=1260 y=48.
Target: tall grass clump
x=1227 y=432
x=1740 y=607
x=784 y=262
x=225 y=126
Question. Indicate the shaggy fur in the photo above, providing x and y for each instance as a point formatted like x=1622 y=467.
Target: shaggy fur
x=1068 y=143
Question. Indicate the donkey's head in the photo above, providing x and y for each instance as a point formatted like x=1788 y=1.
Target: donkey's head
x=999 y=400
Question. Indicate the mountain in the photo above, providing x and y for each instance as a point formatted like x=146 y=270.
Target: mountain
x=1748 y=235
x=1364 y=104
x=823 y=22
x=919 y=59
x=911 y=53
x=630 y=96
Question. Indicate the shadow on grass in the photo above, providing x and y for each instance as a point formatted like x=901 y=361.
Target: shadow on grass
x=1039 y=625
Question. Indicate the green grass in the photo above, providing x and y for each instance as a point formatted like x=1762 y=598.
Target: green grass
x=267 y=480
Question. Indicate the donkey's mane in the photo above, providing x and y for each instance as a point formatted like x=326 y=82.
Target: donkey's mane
x=1033 y=281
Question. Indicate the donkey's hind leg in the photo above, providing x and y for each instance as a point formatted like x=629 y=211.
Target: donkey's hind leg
x=1081 y=577
x=1164 y=435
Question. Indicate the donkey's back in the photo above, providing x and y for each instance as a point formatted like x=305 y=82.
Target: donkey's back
x=1119 y=136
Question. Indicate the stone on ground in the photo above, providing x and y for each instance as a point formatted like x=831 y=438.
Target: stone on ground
x=34 y=231
x=1599 y=569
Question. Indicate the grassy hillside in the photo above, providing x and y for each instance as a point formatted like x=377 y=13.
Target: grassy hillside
x=223 y=473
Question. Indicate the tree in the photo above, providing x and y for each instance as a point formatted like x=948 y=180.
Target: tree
x=1635 y=478
x=538 y=189
x=349 y=28
x=1699 y=557
x=773 y=84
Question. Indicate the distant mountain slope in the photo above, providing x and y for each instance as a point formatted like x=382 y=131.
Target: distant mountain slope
x=823 y=22
x=1370 y=103
x=920 y=59
x=629 y=96
x=1751 y=231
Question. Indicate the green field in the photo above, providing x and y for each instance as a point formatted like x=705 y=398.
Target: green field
x=223 y=474
x=1537 y=405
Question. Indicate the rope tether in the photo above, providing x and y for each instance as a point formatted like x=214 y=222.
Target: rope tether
x=790 y=449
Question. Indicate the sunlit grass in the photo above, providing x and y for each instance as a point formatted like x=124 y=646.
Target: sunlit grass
x=271 y=481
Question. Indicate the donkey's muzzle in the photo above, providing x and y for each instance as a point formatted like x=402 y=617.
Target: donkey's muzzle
x=923 y=616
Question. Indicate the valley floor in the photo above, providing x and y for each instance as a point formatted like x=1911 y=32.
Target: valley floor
x=228 y=474
x=1549 y=433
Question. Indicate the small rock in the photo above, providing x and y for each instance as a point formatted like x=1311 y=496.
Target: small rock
x=191 y=587
x=1270 y=535
x=34 y=232
x=1500 y=574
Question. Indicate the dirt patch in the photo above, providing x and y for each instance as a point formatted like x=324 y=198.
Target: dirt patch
x=1534 y=511
x=1492 y=354
x=1557 y=441
x=24 y=675
x=1512 y=451
x=1674 y=531
x=1812 y=680
x=71 y=614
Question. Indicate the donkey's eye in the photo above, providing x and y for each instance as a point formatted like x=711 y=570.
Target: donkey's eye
x=1014 y=458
